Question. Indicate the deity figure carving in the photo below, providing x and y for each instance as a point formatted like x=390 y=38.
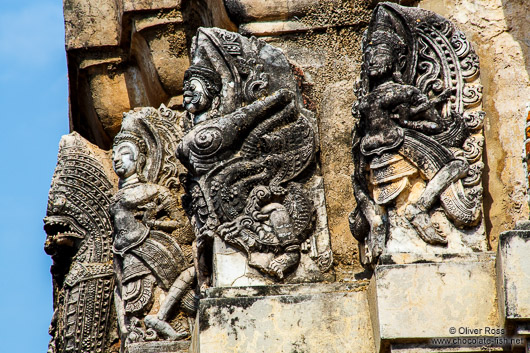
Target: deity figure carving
x=249 y=150
x=79 y=240
x=152 y=239
x=417 y=145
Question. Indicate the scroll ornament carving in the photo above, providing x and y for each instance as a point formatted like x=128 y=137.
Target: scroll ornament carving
x=79 y=230
x=249 y=147
x=417 y=146
x=152 y=245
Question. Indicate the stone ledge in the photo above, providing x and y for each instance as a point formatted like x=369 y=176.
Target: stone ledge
x=159 y=347
x=416 y=302
x=413 y=258
x=288 y=289
x=513 y=268
x=292 y=318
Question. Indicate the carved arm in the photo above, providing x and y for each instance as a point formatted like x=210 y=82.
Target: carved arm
x=166 y=202
x=422 y=115
x=217 y=135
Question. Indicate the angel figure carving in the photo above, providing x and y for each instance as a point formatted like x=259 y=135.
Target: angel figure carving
x=410 y=142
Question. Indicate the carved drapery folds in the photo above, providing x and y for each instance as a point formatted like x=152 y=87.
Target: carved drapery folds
x=79 y=230
x=417 y=145
x=152 y=242
x=249 y=150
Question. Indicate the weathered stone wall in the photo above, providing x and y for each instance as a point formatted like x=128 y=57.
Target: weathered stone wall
x=128 y=54
x=324 y=41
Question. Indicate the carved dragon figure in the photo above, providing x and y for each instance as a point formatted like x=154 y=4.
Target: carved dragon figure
x=79 y=240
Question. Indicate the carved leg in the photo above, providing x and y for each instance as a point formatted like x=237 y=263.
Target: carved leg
x=417 y=213
x=421 y=221
x=284 y=263
x=120 y=313
x=377 y=219
x=159 y=322
x=164 y=328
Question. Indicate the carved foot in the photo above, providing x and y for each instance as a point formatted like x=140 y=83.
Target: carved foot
x=231 y=230
x=377 y=239
x=204 y=287
x=164 y=329
x=283 y=263
x=421 y=221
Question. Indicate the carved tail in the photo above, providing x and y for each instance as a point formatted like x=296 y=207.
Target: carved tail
x=86 y=317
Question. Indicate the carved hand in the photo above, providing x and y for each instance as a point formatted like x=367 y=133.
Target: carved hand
x=149 y=214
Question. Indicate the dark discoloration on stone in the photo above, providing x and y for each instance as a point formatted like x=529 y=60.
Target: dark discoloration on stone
x=211 y=311
x=235 y=10
x=279 y=290
x=293 y=299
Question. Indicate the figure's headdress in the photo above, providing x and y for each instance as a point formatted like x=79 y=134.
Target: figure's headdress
x=155 y=133
x=243 y=69
x=389 y=26
x=132 y=137
x=210 y=79
x=390 y=38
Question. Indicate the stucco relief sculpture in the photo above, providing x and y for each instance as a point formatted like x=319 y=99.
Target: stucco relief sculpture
x=152 y=242
x=417 y=145
x=249 y=150
x=79 y=239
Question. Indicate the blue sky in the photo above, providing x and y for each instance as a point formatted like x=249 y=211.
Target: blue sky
x=33 y=102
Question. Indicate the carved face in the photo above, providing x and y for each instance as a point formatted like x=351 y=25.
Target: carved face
x=124 y=157
x=379 y=60
x=195 y=98
x=65 y=222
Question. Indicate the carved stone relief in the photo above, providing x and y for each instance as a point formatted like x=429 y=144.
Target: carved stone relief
x=254 y=198
x=417 y=145
x=79 y=230
x=250 y=153
x=155 y=297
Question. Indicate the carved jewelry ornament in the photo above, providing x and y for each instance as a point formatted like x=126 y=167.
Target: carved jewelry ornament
x=417 y=144
x=152 y=245
x=79 y=239
x=249 y=150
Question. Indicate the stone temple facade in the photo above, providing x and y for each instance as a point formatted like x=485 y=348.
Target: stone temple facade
x=293 y=176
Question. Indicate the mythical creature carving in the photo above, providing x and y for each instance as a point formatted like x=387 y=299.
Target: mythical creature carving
x=79 y=239
x=416 y=148
x=249 y=149
x=152 y=242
